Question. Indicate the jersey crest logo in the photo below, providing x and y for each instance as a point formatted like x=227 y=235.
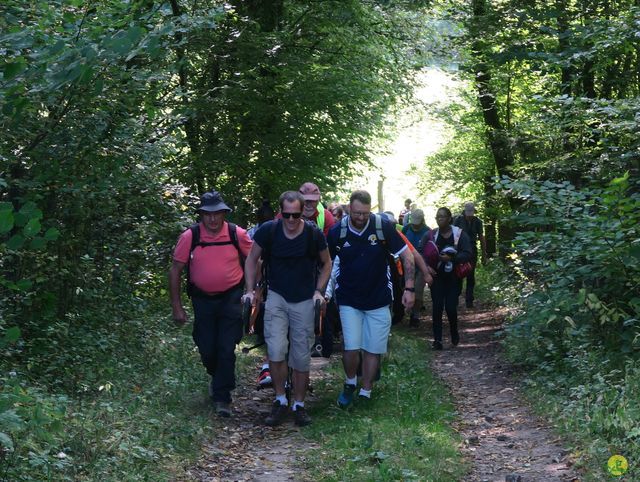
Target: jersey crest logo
x=373 y=239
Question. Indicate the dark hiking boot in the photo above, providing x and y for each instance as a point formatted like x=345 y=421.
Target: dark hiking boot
x=300 y=417
x=277 y=415
x=437 y=345
x=414 y=321
x=223 y=409
x=455 y=338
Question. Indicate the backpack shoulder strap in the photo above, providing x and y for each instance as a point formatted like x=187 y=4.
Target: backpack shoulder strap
x=233 y=235
x=344 y=226
x=266 y=249
x=457 y=232
x=195 y=237
x=311 y=233
x=379 y=231
x=195 y=240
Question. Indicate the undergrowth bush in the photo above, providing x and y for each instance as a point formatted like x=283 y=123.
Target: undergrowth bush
x=132 y=410
x=576 y=264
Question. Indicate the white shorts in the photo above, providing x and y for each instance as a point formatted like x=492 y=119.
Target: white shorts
x=366 y=329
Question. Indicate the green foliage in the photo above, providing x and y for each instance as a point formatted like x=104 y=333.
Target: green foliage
x=271 y=106
x=400 y=435
x=581 y=258
x=577 y=329
x=137 y=407
x=114 y=116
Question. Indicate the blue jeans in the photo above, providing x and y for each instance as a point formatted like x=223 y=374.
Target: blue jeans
x=217 y=329
x=444 y=295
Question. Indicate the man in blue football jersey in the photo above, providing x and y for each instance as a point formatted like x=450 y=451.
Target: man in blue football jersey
x=363 y=243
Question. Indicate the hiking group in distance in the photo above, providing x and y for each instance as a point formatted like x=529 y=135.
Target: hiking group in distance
x=363 y=271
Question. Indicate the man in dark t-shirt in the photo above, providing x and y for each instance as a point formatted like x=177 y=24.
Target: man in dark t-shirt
x=472 y=226
x=364 y=290
x=292 y=250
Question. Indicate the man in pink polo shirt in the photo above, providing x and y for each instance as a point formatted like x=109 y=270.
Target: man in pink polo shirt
x=213 y=251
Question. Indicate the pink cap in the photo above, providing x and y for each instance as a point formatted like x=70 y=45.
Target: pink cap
x=310 y=191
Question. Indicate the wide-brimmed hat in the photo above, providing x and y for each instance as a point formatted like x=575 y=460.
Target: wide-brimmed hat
x=310 y=192
x=212 y=201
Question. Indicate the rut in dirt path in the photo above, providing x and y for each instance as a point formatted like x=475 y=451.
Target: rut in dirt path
x=503 y=439
x=246 y=449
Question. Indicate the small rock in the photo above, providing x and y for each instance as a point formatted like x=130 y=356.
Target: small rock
x=489 y=419
x=513 y=478
x=473 y=440
x=502 y=438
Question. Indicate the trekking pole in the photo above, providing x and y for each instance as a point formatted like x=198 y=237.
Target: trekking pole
x=247 y=349
x=317 y=318
x=246 y=315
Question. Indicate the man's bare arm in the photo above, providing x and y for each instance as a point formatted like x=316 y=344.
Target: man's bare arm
x=179 y=315
x=250 y=270
x=408 y=265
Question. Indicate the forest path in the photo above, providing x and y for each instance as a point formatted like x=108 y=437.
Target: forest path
x=503 y=439
x=246 y=449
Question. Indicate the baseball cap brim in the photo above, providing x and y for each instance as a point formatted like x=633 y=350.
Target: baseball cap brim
x=311 y=197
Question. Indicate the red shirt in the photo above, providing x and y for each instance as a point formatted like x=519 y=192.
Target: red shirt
x=213 y=269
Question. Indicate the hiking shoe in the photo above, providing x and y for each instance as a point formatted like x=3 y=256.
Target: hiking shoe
x=346 y=396
x=223 y=409
x=301 y=417
x=414 y=321
x=264 y=379
x=437 y=345
x=277 y=415
x=469 y=304
x=455 y=339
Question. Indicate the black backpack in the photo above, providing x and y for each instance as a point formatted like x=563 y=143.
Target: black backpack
x=195 y=242
x=312 y=236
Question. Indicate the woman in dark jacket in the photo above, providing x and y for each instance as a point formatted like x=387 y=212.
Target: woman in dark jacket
x=454 y=247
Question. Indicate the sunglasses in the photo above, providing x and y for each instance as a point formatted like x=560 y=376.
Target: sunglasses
x=291 y=215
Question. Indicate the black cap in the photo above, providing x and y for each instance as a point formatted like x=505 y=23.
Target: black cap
x=212 y=202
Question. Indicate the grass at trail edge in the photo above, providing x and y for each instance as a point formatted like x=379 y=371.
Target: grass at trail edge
x=402 y=433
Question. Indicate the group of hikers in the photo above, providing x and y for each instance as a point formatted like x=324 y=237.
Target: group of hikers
x=367 y=266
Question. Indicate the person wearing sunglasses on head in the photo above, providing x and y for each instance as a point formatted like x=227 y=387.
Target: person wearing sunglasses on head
x=298 y=266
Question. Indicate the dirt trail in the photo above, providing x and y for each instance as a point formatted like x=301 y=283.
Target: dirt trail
x=246 y=449
x=503 y=439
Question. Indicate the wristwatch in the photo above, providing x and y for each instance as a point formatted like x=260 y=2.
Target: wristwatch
x=412 y=290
